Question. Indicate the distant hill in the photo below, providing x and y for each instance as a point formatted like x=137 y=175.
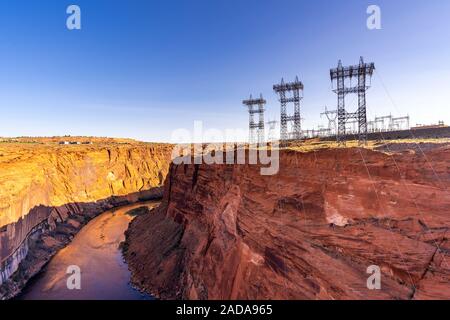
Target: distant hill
x=71 y=139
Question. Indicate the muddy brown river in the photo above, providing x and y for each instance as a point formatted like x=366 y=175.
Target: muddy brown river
x=95 y=250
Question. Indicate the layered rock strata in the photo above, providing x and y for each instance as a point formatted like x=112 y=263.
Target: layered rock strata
x=47 y=193
x=312 y=231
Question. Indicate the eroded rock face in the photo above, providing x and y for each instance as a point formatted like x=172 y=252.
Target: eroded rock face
x=42 y=186
x=309 y=232
x=54 y=176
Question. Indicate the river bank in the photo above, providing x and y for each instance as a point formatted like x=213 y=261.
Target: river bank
x=96 y=251
x=47 y=239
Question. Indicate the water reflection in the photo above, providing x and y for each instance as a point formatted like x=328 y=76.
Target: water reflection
x=95 y=249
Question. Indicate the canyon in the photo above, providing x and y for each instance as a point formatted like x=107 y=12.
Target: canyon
x=225 y=231
x=309 y=232
x=48 y=192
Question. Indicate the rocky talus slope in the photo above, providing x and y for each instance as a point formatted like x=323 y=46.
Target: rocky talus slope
x=309 y=232
x=48 y=192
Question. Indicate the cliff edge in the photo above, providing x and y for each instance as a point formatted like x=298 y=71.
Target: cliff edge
x=49 y=191
x=310 y=232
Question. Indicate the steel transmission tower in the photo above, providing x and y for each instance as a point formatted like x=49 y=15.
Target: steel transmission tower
x=397 y=122
x=331 y=116
x=383 y=120
x=272 y=127
x=340 y=74
x=296 y=89
x=256 y=129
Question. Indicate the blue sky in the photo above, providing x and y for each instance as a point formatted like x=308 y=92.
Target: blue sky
x=142 y=69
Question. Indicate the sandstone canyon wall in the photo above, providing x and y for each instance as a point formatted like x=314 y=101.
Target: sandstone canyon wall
x=309 y=232
x=44 y=186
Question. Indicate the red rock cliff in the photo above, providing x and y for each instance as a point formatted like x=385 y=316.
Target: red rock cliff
x=309 y=232
x=45 y=184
